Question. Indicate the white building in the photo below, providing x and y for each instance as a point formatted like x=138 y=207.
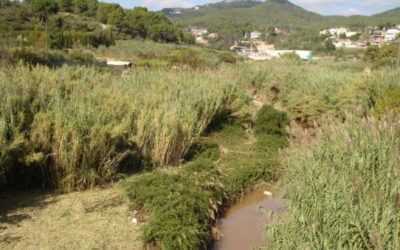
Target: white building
x=347 y=44
x=270 y=54
x=198 y=31
x=391 y=35
x=255 y=35
x=201 y=40
x=338 y=31
x=324 y=33
x=351 y=34
x=212 y=36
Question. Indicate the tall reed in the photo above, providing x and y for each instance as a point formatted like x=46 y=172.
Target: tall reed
x=344 y=190
x=76 y=126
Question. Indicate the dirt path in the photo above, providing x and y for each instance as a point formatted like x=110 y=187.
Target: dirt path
x=97 y=219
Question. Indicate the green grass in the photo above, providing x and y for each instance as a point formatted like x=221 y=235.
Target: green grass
x=344 y=189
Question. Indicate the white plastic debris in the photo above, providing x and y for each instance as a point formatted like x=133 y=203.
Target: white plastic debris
x=118 y=63
x=135 y=221
x=267 y=193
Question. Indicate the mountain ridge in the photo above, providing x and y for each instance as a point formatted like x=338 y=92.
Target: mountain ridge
x=271 y=13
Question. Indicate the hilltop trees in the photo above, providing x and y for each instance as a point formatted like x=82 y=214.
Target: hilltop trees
x=70 y=23
x=44 y=8
x=65 y=5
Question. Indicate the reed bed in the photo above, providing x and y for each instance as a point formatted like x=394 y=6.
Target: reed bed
x=344 y=189
x=312 y=91
x=78 y=127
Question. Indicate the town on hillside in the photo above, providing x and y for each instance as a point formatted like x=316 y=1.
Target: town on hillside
x=254 y=46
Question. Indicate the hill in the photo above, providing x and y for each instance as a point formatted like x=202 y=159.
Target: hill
x=391 y=16
x=255 y=13
x=263 y=14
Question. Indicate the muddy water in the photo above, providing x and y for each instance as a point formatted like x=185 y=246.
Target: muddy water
x=244 y=224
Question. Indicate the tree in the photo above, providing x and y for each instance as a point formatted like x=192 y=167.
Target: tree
x=329 y=46
x=137 y=22
x=116 y=16
x=66 y=5
x=4 y=3
x=43 y=8
x=103 y=10
x=163 y=32
x=110 y=14
x=80 y=6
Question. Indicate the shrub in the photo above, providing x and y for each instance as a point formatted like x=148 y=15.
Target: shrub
x=182 y=206
x=228 y=57
x=388 y=101
x=203 y=150
x=187 y=57
x=270 y=121
x=81 y=57
x=384 y=56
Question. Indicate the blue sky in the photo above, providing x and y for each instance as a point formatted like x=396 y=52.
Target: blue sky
x=327 y=7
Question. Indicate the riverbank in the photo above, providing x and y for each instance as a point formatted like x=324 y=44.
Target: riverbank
x=183 y=204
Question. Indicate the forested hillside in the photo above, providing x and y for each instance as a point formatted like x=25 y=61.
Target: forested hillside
x=70 y=23
x=234 y=17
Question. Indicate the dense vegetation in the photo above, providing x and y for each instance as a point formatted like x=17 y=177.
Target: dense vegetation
x=348 y=193
x=83 y=23
x=66 y=129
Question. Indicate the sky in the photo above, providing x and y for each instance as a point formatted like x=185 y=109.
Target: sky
x=325 y=7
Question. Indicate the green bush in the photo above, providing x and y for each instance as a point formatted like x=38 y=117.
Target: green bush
x=182 y=206
x=228 y=57
x=31 y=57
x=387 y=55
x=188 y=57
x=203 y=150
x=388 y=101
x=81 y=57
x=270 y=121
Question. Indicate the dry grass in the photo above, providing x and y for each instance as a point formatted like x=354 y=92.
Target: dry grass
x=97 y=219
